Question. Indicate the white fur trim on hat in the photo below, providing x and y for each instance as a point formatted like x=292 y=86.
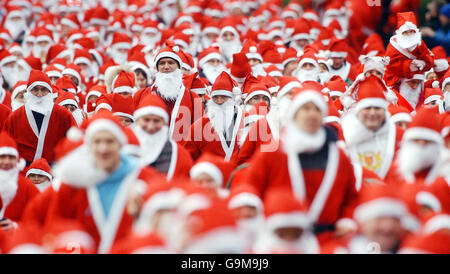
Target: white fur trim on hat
x=98 y=21
x=422 y=133
x=9 y=151
x=82 y=60
x=222 y=240
x=69 y=23
x=73 y=73
x=54 y=73
x=432 y=98
x=211 y=30
x=437 y=223
x=221 y=92
x=288 y=87
x=336 y=93
x=401 y=117
x=331 y=119
x=208 y=168
x=407 y=26
x=140 y=112
x=245 y=199
x=168 y=54
x=338 y=54
x=121 y=45
x=380 y=207
x=309 y=61
x=123 y=89
x=440 y=65
x=118 y=113
x=39 y=83
x=213 y=55
x=17 y=90
x=306 y=97
x=39 y=172
x=199 y=91
x=301 y=36
x=103 y=105
x=68 y=102
x=9 y=59
x=257 y=92
x=107 y=125
x=428 y=199
x=291 y=219
x=371 y=102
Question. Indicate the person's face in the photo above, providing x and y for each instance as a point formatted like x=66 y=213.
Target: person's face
x=228 y=36
x=309 y=118
x=43 y=44
x=245 y=212
x=337 y=61
x=19 y=97
x=125 y=93
x=408 y=32
x=334 y=97
x=141 y=80
x=211 y=36
x=7 y=162
x=73 y=79
x=302 y=43
x=125 y=121
x=122 y=50
x=308 y=66
x=70 y=107
x=83 y=66
x=220 y=99
x=105 y=147
x=151 y=123
x=432 y=76
x=323 y=67
x=167 y=65
x=443 y=19
x=372 y=117
x=386 y=231
x=258 y=99
x=290 y=67
x=447 y=88
x=92 y=98
x=253 y=62
x=37 y=178
x=289 y=234
x=402 y=124
x=53 y=80
x=422 y=142
x=431 y=104
x=374 y=72
x=10 y=64
x=214 y=62
x=413 y=84
x=40 y=91
x=206 y=181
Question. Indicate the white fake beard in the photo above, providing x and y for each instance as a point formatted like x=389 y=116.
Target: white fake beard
x=42 y=104
x=445 y=160
x=43 y=186
x=447 y=101
x=151 y=144
x=307 y=75
x=12 y=75
x=168 y=15
x=150 y=41
x=324 y=77
x=269 y=242
x=282 y=110
x=37 y=50
x=8 y=184
x=258 y=70
x=15 y=104
x=409 y=42
x=78 y=168
x=411 y=95
x=413 y=158
x=221 y=116
x=251 y=228
x=118 y=57
x=87 y=73
x=228 y=48
x=212 y=72
x=78 y=116
x=206 y=42
x=299 y=141
x=169 y=85
x=26 y=49
x=15 y=28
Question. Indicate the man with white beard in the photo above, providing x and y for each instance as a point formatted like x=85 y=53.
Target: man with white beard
x=412 y=90
x=30 y=124
x=15 y=190
x=151 y=34
x=10 y=69
x=16 y=23
x=158 y=150
x=184 y=107
x=308 y=68
x=418 y=160
x=120 y=45
x=167 y=11
x=217 y=131
x=211 y=64
x=371 y=137
x=209 y=34
x=229 y=42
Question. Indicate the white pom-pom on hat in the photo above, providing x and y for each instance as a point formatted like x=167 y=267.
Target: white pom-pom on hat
x=435 y=84
x=176 y=48
x=74 y=134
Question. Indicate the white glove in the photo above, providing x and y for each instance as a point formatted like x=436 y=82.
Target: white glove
x=419 y=64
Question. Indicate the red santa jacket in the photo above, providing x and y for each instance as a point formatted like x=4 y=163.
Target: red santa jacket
x=26 y=191
x=5 y=99
x=330 y=193
x=4 y=113
x=400 y=61
x=145 y=244
x=36 y=210
x=204 y=138
x=33 y=144
x=84 y=205
x=186 y=110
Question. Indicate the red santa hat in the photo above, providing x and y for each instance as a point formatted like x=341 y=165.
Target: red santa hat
x=433 y=94
x=182 y=40
x=240 y=67
x=225 y=86
x=374 y=63
x=214 y=166
x=121 y=41
x=18 y=87
x=440 y=59
x=308 y=57
x=245 y=195
x=170 y=51
x=82 y=56
x=123 y=82
x=270 y=54
x=282 y=209
x=373 y=46
x=27 y=239
x=15 y=48
x=7 y=145
x=187 y=62
x=123 y=106
x=210 y=27
x=97 y=90
x=198 y=86
x=214 y=9
x=100 y=16
x=255 y=89
x=370 y=93
x=257 y=112
x=336 y=86
x=338 y=49
x=311 y=14
x=5 y=35
x=66 y=98
x=34 y=62
x=287 y=83
x=273 y=71
x=424 y=126
x=301 y=30
x=406 y=21
x=152 y=104
x=435 y=223
x=305 y=95
x=38 y=78
x=378 y=201
x=6 y=57
x=53 y=71
x=399 y=113
x=133 y=145
x=71 y=20
x=40 y=167
x=209 y=54
x=75 y=71
x=65 y=84
x=137 y=60
x=250 y=48
x=56 y=51
x=289 y=55
x=105 y=121
x=43 y=35
x=435 y=243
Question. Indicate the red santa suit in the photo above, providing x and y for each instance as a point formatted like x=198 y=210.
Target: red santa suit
x=401 y=59
x=34 y=143
x=323 y=179
x=208 y=135
x=374 y=150
x=4 y=113
x=348 y=72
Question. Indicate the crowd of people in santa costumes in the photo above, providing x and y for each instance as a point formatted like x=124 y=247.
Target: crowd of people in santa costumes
x=222 y=126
